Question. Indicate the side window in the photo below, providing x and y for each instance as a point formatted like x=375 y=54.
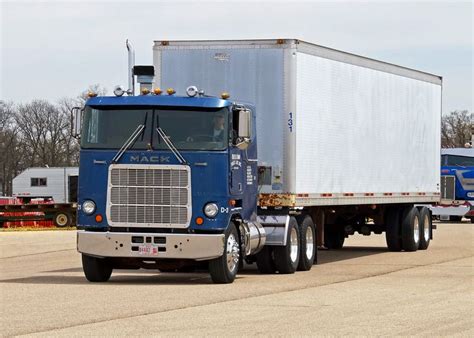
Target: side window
x=39 y=182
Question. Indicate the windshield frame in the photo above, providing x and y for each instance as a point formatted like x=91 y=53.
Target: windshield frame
x=151 y=119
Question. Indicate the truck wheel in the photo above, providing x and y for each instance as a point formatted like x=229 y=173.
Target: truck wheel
x=224 y=269
x=62 y=219
x=307 y=244
x=410 y=229
x=265 y=262
x=96 y=269
x=392 y=229
x=287 y=257
x=425 y=228
x=333 y=236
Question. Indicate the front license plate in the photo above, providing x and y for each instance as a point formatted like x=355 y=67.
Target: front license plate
x=148 y=250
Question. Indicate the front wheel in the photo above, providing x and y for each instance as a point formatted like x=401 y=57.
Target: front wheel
x=224 y=268
x=96 y=269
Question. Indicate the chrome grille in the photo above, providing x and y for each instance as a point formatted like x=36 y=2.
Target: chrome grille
x=149 y=195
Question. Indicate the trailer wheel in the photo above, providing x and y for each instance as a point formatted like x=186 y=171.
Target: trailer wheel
x=287 y=257
x=425 y=228
x=96 y=269
x=392 y=229
x=334 y=236
x=224 y=269
x=265 y=262
x=308 y=245
x=62 y=219
x=410 y=229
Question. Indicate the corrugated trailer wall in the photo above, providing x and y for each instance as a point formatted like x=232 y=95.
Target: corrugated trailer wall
x=335 y=128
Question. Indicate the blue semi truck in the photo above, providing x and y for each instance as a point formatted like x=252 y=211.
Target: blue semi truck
x=457 y=185
x=189 y=176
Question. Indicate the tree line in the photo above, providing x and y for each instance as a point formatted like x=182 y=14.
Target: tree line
x=38 y=134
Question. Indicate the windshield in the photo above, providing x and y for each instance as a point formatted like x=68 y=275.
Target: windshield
x=454 y=160
x=188 y=129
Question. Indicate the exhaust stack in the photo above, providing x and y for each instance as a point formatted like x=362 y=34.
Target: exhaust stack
x=131 y=64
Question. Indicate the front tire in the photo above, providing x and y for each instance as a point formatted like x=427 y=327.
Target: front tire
x=425 y=228
x=287 y=257
x=224 y=269
x=96 y=270
x=307 y=244
x=410 y=229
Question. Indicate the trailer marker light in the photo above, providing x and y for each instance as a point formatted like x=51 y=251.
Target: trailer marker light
x=98 y=218
x=199 y=220
x=157 y=91
x=225 y=95
x=170 y=91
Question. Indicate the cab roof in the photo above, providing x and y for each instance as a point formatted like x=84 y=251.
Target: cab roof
x=159 y=100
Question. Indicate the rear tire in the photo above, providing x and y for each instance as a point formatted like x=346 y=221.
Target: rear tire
x=425 y=228
x=392 y=229
x=410 y=229
x=287 y=257
x=96 y=270
x=307 y=244
x=224 y=268
x=265 y=262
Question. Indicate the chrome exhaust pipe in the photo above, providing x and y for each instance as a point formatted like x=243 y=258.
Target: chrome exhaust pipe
x=131 y=64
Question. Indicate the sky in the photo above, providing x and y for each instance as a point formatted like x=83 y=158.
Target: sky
x=55 y=49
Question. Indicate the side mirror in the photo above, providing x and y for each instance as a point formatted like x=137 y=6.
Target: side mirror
x=76 y=121
x=245 y=129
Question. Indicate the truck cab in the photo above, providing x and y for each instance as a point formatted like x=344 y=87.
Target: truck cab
x=163 y=181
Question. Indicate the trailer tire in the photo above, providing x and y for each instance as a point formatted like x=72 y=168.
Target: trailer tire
x=334 y=236
x=224 y=268
x=62 y=219
x=425 y=228
x=96 y=270
x=392 y=229
x=308 y=245
x=265 y=262
x=287 y=257
x=410 y=229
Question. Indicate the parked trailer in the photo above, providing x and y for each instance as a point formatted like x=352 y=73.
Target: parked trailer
x=336 y=144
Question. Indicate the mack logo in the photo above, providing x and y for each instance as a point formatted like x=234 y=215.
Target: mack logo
x=149 y=159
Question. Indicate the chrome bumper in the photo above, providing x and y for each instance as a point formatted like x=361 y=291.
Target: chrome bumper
x=181 y=246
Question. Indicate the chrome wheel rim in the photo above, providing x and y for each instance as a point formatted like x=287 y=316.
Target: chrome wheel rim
x=293 y=245
x=232 y=253
x=309 y=243
x=416 y=230
x=426 y=229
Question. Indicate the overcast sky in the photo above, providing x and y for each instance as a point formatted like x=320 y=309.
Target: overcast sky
x=53 y=49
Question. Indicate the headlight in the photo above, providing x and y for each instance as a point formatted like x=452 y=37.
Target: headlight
x=88 y=207
x=211 y=210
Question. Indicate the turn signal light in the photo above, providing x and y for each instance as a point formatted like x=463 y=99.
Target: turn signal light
x=98 y=218
x=232 y=203
x=170 y=91
x=199 y=220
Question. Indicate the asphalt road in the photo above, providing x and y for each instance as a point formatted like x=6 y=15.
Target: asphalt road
x=360 y=290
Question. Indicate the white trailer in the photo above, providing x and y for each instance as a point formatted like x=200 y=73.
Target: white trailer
x=58 y=183
x=341 y=137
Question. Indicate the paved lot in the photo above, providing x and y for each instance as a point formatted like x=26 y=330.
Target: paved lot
x=361 y=289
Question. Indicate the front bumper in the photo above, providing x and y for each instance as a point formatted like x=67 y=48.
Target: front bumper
x=150 y=245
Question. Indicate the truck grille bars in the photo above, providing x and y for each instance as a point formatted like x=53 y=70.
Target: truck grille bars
x=149 y=195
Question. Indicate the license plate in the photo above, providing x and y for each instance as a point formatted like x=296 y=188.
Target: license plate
x=148 y=250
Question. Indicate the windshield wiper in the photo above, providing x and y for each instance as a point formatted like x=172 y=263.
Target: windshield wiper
x=128 y=143
x=171 y=146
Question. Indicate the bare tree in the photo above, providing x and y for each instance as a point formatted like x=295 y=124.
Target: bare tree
x=456 y=129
